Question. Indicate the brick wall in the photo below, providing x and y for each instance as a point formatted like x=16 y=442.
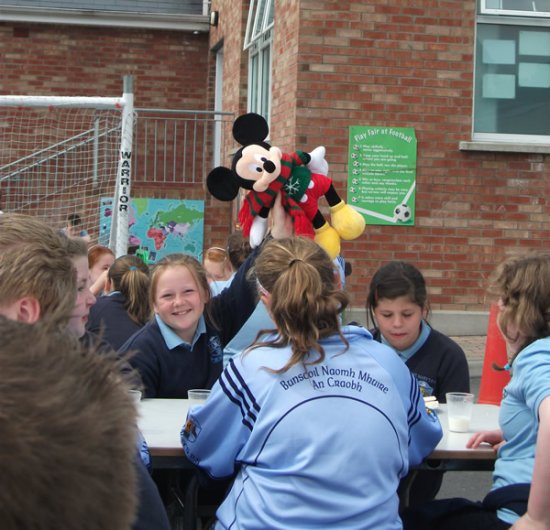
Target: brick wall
x=402 y=65
x=170 y=70
x=337 y=64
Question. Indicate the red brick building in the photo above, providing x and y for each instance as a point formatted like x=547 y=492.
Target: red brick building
x=315 y=68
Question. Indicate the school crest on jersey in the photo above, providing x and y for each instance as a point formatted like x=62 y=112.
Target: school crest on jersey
x=191 y=429
x=215 y=349
x=425 y=384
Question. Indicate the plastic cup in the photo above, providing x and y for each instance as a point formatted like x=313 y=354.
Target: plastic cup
x=459 y=410
x=197 y=396
x=136 y=396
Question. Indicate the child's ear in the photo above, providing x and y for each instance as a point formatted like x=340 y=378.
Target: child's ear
x=28 y=310
x=265 y=298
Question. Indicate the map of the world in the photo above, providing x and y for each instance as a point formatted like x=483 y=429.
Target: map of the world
x=159 y=226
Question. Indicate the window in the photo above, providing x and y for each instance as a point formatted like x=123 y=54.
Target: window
x=525 y=8
x=512 y=72
x=259 y=42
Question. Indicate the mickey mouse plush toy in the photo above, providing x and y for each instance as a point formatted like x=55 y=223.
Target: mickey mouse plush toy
x=299 y=177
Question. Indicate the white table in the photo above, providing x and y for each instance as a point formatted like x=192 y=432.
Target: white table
x=161 y=421
x=451 y=451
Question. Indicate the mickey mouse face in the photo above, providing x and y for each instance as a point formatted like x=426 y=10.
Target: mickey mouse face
x=259 y=164
x=255 y=165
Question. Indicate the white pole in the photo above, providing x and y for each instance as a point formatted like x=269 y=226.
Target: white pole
x=121 y=206
x=61 y=101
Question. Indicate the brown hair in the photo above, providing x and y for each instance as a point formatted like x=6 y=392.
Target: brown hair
x=130 y=276
x=523 y=287
x=34 y=262
x=193 y=266
x=76 y=248
x=305 y=301
x=238 y=249
x=393 y=280
x=68 y=441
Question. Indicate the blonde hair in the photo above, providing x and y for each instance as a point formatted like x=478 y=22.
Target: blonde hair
x=130 y=276
x=68 y=441
x=34 y=262
x=305 y=300
x=523 y=286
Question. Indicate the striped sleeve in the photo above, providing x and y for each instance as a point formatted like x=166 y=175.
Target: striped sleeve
x=424 y=427
x=215 y=433
x=238 y=392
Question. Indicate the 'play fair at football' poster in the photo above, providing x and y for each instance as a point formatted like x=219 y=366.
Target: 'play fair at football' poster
x=382 y=174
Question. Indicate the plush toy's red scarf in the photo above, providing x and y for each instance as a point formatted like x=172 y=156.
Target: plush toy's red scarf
x=256 y=200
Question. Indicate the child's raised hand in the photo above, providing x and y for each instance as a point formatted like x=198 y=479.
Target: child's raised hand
x=281 y=222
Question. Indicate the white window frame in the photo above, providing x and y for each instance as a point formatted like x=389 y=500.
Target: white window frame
x=259 y=43
x=484 y=10
x=538 y=20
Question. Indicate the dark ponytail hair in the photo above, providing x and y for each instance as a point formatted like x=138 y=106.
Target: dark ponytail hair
x=393 y=280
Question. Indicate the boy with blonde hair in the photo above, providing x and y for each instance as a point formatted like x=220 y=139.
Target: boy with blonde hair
x=36 y=274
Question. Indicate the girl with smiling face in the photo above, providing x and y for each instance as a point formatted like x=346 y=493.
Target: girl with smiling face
x=182 y=346
x=78 y=252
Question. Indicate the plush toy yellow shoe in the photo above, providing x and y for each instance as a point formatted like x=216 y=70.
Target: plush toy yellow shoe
x=349 y=223
x=329 y=239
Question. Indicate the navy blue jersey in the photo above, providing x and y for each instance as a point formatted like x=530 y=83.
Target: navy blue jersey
x=109 y=318
x=439 y=365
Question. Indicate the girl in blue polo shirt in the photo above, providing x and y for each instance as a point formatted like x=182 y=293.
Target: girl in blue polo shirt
x=519 y=495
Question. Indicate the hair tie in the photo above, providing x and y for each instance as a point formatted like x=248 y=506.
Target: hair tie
x=133 y=268
x=293 y=261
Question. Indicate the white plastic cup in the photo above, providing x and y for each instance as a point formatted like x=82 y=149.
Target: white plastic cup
x=136 y=396
x=459 y=410
x=197 y=396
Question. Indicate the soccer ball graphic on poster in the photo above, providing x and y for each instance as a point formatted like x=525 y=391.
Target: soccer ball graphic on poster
x=402 y=213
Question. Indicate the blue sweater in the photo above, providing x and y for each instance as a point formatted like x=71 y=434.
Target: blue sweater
x=318 y=446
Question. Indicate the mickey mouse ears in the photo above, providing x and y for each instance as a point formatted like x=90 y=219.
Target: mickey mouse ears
x=250 y=128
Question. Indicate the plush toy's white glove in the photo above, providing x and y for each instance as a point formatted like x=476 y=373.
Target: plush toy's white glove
x=318 y=164
x=257 y=231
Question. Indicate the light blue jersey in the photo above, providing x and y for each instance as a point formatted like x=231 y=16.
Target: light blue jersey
x=318 y=446
x=529 y=385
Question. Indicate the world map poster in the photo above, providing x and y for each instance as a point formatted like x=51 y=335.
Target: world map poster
x=159 y=226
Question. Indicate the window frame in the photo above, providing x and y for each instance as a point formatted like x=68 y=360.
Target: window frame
x=500 y=20
x=259 y=44
x=483 y=9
